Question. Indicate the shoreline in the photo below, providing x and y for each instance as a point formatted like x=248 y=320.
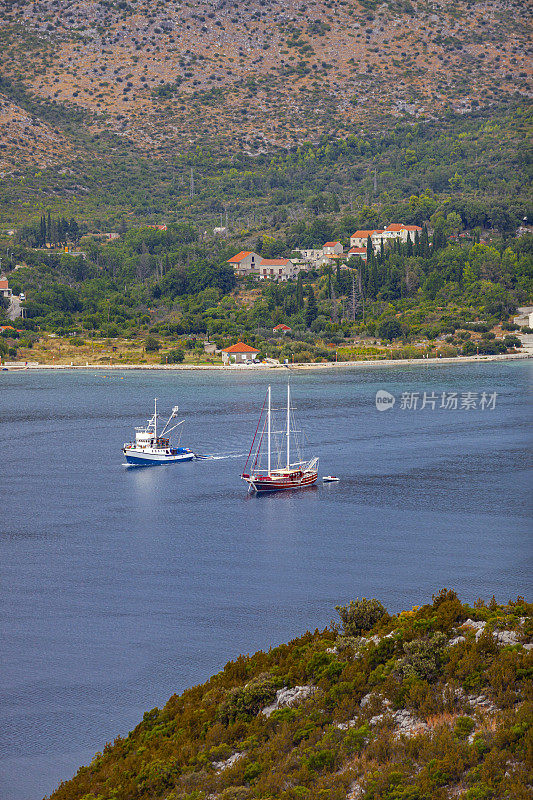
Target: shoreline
x=390 y=362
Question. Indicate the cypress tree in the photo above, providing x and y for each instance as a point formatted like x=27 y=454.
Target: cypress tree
x=311 y=312
x=299 y=292
x=424 y=243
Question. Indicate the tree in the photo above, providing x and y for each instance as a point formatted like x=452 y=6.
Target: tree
x=311 y=312
x=299 y=291
x=360 y=615
x=151 y=344
x=389 y=329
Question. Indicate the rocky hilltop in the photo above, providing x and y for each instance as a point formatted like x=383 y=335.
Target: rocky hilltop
x=249 y=75
x=428 y=704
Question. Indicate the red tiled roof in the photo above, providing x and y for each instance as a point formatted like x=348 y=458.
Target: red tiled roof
x=275 y=262
x=282 y=327
x=4 y=284
x=7 y=328
x=331 y=244
x=397 y=226
x=239 y=257
x=357 y=250
x=364 y=234
x=240 y=347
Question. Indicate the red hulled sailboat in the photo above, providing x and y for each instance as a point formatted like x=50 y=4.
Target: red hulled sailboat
x=282 y=476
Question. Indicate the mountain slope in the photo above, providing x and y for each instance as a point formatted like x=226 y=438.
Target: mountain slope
x=430 y=704
x=169 y=75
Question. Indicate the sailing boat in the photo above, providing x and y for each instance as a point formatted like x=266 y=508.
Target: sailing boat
x=289 y=476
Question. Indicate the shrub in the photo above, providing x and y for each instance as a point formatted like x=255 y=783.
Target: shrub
x=463 y=727
x=389 y=329
x=151 y=344
x=173 y=357
x=360 y=615
x=423 y=657
x=247 y=701
x=512 y=341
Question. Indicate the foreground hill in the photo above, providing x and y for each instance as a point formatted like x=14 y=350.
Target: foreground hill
x=430 y=704
x=255 y=74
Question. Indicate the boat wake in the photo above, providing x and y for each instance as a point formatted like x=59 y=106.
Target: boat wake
x=218 y=456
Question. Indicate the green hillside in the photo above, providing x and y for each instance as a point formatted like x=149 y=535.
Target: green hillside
x=428 y=704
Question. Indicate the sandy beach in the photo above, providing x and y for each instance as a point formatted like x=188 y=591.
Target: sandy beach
x=399 y=362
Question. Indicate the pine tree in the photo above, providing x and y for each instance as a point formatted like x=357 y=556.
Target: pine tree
x=49 y=229
x=311 y=312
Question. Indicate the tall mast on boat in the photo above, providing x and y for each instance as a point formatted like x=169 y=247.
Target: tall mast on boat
x=268 y=430
x=155 y=417
x=288 y=424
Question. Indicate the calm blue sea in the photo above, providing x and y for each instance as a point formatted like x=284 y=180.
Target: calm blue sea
x=121 y=586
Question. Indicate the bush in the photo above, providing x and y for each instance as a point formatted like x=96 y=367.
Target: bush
x=389 y=329
x=151 y=344
x=423 y=657
x=360 y=615
x=463 y=727
x=512 y=341
x=173 y=357
x=247 y=701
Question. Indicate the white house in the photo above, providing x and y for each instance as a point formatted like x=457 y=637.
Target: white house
x=245 y=263
x=332 y=249
x=357 y=252
x=239 y=353
x=277 y=269
x=398 y=231
x=5 y=291
x=360 y=238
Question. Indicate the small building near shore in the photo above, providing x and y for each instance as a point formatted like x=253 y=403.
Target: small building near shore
x=239 y=353
x=5 y=291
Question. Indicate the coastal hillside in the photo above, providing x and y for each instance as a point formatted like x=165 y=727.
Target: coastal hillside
x=428 y=704
x=252 y=75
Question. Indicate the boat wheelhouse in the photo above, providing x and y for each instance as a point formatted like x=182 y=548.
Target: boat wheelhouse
x=151 y=448
x=284 y=474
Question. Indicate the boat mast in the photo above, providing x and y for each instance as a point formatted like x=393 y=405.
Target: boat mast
x=155 y=417
x=268 y=417
x=288 y=424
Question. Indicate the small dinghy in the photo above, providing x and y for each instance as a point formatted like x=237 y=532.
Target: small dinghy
x=329 y=478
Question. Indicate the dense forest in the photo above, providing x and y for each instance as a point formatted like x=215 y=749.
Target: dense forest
x=426 y=704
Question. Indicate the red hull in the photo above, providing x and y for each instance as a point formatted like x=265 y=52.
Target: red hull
x=264 y=484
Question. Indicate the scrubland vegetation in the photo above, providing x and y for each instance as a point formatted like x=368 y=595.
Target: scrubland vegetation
x=426 y=704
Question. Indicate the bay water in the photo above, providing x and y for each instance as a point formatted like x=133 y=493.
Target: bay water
x=119 y=587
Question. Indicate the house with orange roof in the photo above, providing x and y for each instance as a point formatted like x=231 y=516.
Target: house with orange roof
x=281 y=328
x=245 y=263
x=239 y=353
x=357 y=252
x=277 y=269
x=5 y=291
x=360 y=238
x=332 y=249
x=397 y=230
